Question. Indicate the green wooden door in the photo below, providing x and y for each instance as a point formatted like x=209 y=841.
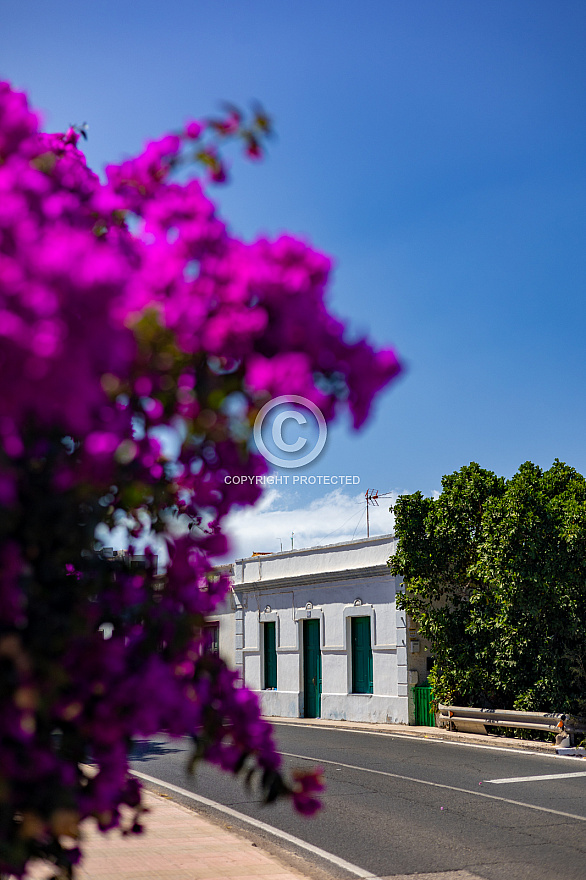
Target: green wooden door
x=361 y=655
x=270 y=652
x=311 y=669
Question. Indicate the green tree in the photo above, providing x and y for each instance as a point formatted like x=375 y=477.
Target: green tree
x=495 y=578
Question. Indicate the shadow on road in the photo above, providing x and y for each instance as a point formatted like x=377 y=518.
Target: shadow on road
x=149 y=750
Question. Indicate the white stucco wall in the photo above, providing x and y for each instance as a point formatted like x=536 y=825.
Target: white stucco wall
x=225 y=616
x=334 y=557
x=330 y=584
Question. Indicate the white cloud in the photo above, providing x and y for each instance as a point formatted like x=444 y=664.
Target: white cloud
x=331 y=519
x=334 y=518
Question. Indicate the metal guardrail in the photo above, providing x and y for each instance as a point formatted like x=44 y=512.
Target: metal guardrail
x=452 y=716
x=576 y=727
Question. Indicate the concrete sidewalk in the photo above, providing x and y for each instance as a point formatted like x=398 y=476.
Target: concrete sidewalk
x=177 y=844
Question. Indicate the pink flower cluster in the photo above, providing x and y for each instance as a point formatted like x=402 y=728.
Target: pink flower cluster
x=125 y=307
x=306 y=786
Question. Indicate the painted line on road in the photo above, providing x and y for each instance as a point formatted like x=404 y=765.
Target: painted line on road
x=482 y=794
x=261 y=826
x=535 y=778
x=430 y=739
x=425 y=738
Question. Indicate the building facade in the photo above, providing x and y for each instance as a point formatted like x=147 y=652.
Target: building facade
x=316 y=633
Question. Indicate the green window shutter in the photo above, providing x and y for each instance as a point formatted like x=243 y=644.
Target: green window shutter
x=270 y=655
x=361 y=655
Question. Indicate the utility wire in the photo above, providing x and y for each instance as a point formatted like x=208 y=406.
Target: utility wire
x=359 y=513
x=362 y=513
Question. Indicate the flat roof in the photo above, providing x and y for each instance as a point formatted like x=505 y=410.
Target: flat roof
x=263 y=556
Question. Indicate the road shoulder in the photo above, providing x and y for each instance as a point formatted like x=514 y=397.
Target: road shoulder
x=436 y=733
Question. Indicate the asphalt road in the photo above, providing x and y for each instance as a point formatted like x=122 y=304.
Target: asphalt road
x=404 y=805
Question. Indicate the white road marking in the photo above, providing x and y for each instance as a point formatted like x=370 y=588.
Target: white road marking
x=535 y=778
x=481 y=794
x=262 y=826
x=425 y=738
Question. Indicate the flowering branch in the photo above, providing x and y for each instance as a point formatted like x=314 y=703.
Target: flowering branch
x=127 y=307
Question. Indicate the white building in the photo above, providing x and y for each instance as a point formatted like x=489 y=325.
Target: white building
x=317 y=633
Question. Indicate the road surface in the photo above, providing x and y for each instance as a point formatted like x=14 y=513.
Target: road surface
x=402 y=805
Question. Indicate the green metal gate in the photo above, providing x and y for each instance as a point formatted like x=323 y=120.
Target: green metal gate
x=424 y=714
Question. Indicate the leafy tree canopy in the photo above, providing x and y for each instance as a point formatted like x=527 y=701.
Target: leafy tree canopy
x=495 y=578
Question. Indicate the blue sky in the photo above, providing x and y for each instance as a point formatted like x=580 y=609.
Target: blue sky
x=434 y=148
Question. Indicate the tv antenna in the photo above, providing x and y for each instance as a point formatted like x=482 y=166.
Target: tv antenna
x=372 y=496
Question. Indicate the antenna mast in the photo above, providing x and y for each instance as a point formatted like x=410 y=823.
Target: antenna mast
x=372 y=496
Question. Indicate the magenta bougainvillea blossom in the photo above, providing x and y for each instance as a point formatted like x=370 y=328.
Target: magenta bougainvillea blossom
x=127 y=306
